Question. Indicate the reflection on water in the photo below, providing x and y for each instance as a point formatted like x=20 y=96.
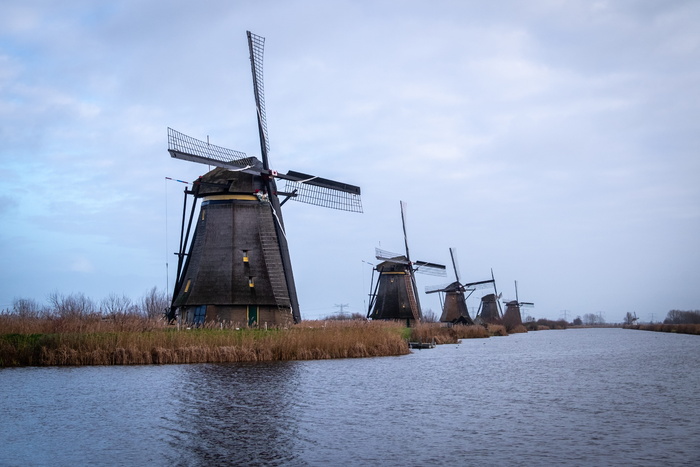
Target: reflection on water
x=239 y=410
x=574 y=397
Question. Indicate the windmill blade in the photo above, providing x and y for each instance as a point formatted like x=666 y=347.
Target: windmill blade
x=385 y=255
x=256 y=46
x=453 y=255
x=495 y=292
x=322 y=191
x=181 y=146
x=436 y=288
x=431 y=269
x=526 y=304
x=478 y=285
x=403 y=223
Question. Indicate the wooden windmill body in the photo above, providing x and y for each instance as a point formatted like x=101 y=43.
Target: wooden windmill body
x=395 y=295
x=454 y=303
x=490 y=307
x=512 y=317
x=236 y=266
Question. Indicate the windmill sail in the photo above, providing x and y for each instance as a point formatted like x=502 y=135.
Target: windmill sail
x=237 y=266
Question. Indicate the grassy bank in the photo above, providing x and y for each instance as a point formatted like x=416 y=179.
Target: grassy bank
x=129 y=342
x=50 y=339
x=658 y=327
x=438 y=333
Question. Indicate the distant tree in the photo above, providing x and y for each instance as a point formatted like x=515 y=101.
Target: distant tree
x=71 y=306
x=591 y=319
x=429 y=316
x=682 y=317
x=155 y=303
x=115 y=304
x=27 y=308
x=577 y=321
x=529 y=319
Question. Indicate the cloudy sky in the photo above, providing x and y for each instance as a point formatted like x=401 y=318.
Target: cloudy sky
x=557 y=142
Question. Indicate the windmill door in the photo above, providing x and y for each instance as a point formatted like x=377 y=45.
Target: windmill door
x=252 y=315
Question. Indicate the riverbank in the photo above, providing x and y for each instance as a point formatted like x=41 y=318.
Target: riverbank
x=165 y=345
x=134 y=340
x=659 y=327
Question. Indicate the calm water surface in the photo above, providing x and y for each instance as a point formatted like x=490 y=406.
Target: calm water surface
x=574 y=397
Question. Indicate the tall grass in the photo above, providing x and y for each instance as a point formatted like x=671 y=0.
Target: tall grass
x=134 y=340
x=441 y=334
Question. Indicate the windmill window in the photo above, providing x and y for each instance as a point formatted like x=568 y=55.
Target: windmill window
x=187 y=286
x=245 y=256
x=251 y=284
x=203 y=212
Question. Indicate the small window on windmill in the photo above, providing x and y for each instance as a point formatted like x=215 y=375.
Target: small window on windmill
x=187 y=286
x=251 y=284
x=245 y=256
x=204 y=211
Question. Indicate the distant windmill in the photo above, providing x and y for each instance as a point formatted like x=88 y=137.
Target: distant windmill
x=490 y=308
x=512 y=316
x=454 y=309
x=395 y=295
x=238 y=267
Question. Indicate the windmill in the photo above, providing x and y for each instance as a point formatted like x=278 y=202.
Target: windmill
x=512 y=316
x=490 y=308
x=454 y=306
x=238 y=267
x=395 y=295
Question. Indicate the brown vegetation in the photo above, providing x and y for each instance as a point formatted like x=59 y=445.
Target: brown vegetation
x=74 y=330
x=658 y=327
x=545 y=324
x=136 y=339
x=441 y=334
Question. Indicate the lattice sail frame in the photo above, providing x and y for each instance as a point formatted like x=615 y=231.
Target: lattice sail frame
x=467 y=287
x=186 y=147
x=257 y=52
x=324 y=196
x=422 y=267
x=304 y=188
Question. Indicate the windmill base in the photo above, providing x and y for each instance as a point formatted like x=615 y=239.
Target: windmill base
x=237 y=315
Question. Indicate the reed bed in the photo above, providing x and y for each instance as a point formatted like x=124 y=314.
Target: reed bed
x=100 y=342
x=658 y=327
x=440 y=334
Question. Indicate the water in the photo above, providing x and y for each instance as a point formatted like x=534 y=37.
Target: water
x=574 y=397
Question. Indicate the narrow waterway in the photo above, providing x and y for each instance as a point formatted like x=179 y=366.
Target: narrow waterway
x=573 y=397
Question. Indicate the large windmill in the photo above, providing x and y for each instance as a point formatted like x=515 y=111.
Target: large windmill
x=238 y=266
x=395 y=295
x=512 y=316
x=490 y=307
x=454 y=306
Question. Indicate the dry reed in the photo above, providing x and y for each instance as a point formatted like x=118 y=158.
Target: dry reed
x=42 y=341
x=441 y=334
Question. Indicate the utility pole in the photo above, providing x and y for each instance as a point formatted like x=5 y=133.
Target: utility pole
x=341 y=306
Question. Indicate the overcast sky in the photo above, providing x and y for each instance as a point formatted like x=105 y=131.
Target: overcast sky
x=557 y=142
